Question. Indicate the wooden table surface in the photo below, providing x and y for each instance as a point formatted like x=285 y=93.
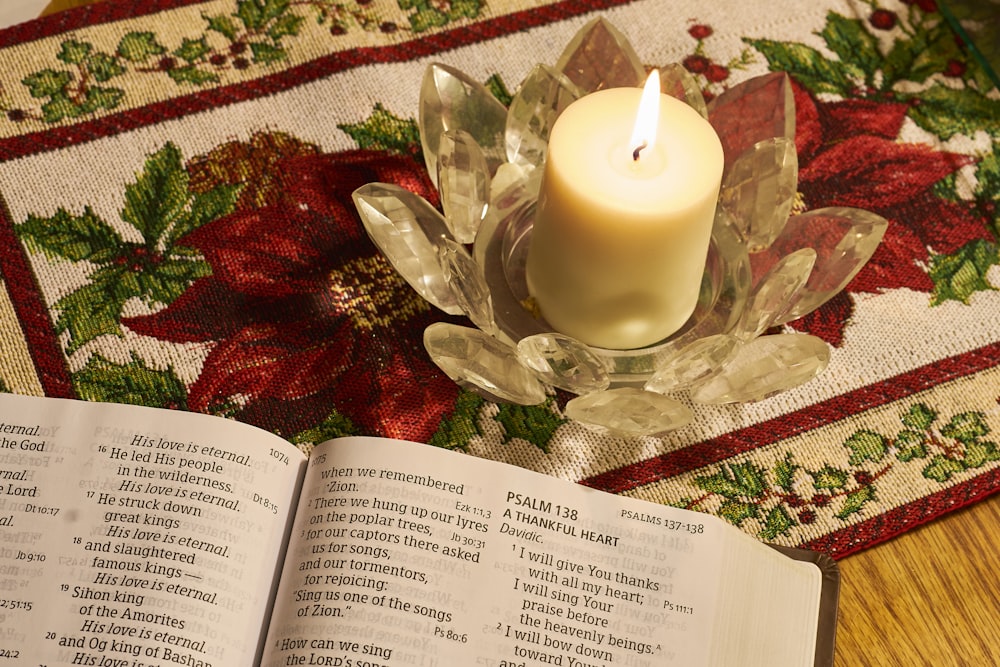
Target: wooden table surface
x=929 y=597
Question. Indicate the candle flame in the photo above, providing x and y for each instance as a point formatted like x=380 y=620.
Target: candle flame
x=644 y=131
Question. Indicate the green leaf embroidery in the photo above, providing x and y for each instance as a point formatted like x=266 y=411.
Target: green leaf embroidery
x=958 y=276
x=941 y=468
x=849 y=39
x=533 y=423
x=76 y=238
x=457 y=431
x=737 y=511
x=46 y=83
x=784 y=473
x=946 y=111
x=134 y=382
x=777 y=523
x=737 y=480
x=919 y=417
x=192 y=50
x=266 y=53
x=74 y=52
x=910 y=445
x=855 y=501
x=829 y=477
x=966 y=427
x=807 y=65
x=138 y=47
x=335 y=425
x=866 y=445
x=384 y=131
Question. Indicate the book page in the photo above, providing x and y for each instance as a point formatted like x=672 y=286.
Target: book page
x=410 y=555
x=132 y=536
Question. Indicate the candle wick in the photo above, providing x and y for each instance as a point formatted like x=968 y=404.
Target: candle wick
x=635 y=153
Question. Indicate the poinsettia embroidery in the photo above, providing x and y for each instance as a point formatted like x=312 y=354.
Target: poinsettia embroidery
x=303 y=313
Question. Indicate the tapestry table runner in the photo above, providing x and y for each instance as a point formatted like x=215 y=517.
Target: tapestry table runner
x=154 y=248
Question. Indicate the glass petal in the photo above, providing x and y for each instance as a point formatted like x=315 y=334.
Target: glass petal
x=464 y=182
x=467 y=282
x=764 y=367
x=844 y=240
x=408 y=231
x=563 y=362
x=760 y=189
x=450 y=100
x=599 y=56
x=540 y=99
x=756 y=109
x=678 y=82
x=480 y=363
x=629 y=412
x=774 y=292
x=695 y=362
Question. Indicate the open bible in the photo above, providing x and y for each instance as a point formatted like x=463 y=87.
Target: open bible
x=134 y=536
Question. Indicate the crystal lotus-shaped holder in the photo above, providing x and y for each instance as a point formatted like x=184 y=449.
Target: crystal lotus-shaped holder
x=767 y=265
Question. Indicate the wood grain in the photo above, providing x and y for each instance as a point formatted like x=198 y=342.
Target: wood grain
x=929 y=597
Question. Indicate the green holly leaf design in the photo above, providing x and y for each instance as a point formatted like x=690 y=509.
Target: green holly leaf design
x=737 y=511
x=737 y=480
x=104 y=67
x=941 y=468
x=47 y=83
x=958 y=276
x=76 y=238
x=456 y=431
x=966 y=427
x=426 y=18
x=74 y=52
x=499 y=90
x=533 y=423
x=94 y=309
x=946 y=111
x=266 y=53
x=854 y=45
x=335 y=425
x=99 y=98
x=777 y=523
x=919 y=417
x=910 y=445
x=289 y=24
x=384 y=131
x=138 y=47
x=192 y=50
x=784 y=473
x=978 y=454
x=159 y=196
x=223 y=25
x=161 y=209
x=811 y=68
x=829 y=477
x=134 y=382
x=855 y=501
x=866 y=445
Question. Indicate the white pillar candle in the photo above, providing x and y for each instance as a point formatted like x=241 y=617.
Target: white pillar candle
x=624 y=218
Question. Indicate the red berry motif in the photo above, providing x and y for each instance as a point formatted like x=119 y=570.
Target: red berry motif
x=883 y=19
x=716 y=73
x=700 y=31
x=696 y=64
x=954 y=68
x=807 y=517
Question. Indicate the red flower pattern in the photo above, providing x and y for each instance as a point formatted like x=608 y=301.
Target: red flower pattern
x=849 y=155
x=289 y=311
